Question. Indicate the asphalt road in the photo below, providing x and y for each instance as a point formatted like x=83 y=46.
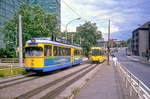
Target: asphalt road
x=135 y=66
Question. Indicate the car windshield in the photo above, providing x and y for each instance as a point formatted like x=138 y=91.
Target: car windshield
x=96 y=52
x=33 y=51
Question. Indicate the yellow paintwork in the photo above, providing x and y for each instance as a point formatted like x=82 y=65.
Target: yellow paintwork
x=39 y=62
x=100 y=48
x=100 y=58
x=72 y=54
x=34 y=62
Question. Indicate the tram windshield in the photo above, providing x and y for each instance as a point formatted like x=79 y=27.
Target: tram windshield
x=33 y=51
x=96 y=52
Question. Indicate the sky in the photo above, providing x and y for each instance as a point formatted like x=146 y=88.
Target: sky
x=125 y=15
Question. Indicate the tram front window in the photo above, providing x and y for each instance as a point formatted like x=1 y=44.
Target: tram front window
x=96 y=52
x=33 y=51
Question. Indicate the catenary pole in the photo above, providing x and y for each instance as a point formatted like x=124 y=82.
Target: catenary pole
x=20 y=42
x=108 y=44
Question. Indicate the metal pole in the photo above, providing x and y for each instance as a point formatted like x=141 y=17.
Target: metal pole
x=108 y=45
x=67 y=27
x=72 y=38
x=20 y=42
x=80 y=41
x=66 y=32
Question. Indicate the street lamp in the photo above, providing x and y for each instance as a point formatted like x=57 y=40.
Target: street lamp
x=108 y=44
x=67 y=26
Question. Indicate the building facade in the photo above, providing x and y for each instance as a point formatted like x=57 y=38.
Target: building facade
x=7 y=11
x=49 y=6
x=141 y=40
x=9 y=7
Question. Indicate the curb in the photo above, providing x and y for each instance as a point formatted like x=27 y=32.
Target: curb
x=67 y=93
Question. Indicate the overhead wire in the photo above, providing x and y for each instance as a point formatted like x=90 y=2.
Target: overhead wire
x=73 y=10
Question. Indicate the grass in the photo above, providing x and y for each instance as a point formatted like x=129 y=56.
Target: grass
x=75 y=91
x=8 y=72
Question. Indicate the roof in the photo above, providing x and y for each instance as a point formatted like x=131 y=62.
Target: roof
x=52 y=42
x=102 y=48
x=145 y=25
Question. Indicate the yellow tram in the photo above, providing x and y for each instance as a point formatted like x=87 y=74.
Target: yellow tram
x=45 y=55
x=98 y=54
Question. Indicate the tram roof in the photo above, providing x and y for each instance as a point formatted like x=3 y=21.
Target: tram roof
x=52 y=42
x=100 y=48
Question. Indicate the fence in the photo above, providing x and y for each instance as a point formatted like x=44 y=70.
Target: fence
x=135 y=84
x=11 y=70
x=9 y=60
x=9 y=66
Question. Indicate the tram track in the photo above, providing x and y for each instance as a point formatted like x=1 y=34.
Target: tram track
x=29 y=88
x=58 y=90
x=53 y=83
x=15 y=81
x=22 y=81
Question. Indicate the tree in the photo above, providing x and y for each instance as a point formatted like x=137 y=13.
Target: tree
x=123 y=43
x=36 y=23
x=99 y=35
x=129 y=43
x=89 y=36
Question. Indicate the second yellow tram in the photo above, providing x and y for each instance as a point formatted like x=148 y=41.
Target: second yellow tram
x=98 y=54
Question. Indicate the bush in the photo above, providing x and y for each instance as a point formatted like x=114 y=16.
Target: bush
x=7 y=53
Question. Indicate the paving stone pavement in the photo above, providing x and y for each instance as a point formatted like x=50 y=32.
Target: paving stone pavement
x=105 y=84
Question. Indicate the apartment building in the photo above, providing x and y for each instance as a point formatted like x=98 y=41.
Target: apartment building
x=141 y=40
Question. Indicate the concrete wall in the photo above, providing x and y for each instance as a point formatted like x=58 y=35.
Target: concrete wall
x=143 y=41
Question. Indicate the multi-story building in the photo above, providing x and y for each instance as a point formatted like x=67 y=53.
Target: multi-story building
x=9 y=7
x=49 y=6
x=141 y=40
x=7 y=11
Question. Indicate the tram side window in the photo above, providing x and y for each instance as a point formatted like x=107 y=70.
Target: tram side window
x=68 y=50
x=55 y=51
x=64 y=51
x=60 y=51
x=77 y=52
x=47 y=50
x=81 y=52
x=102 y=52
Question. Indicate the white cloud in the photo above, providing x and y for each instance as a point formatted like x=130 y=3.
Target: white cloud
x=98 y=11
x=113 y=29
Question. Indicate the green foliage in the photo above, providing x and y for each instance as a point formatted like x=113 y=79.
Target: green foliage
x=8 y=72
x=129 y=43
x=35 y=23
x=4 y=53
x=89 y=36
x=75 y=91
x=123 y=43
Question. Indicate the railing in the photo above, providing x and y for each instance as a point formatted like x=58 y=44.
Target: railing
x=9 y=60
x=135 y=84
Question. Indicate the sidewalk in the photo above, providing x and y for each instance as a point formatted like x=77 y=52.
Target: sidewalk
x=142 y=59
x=104 y=85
